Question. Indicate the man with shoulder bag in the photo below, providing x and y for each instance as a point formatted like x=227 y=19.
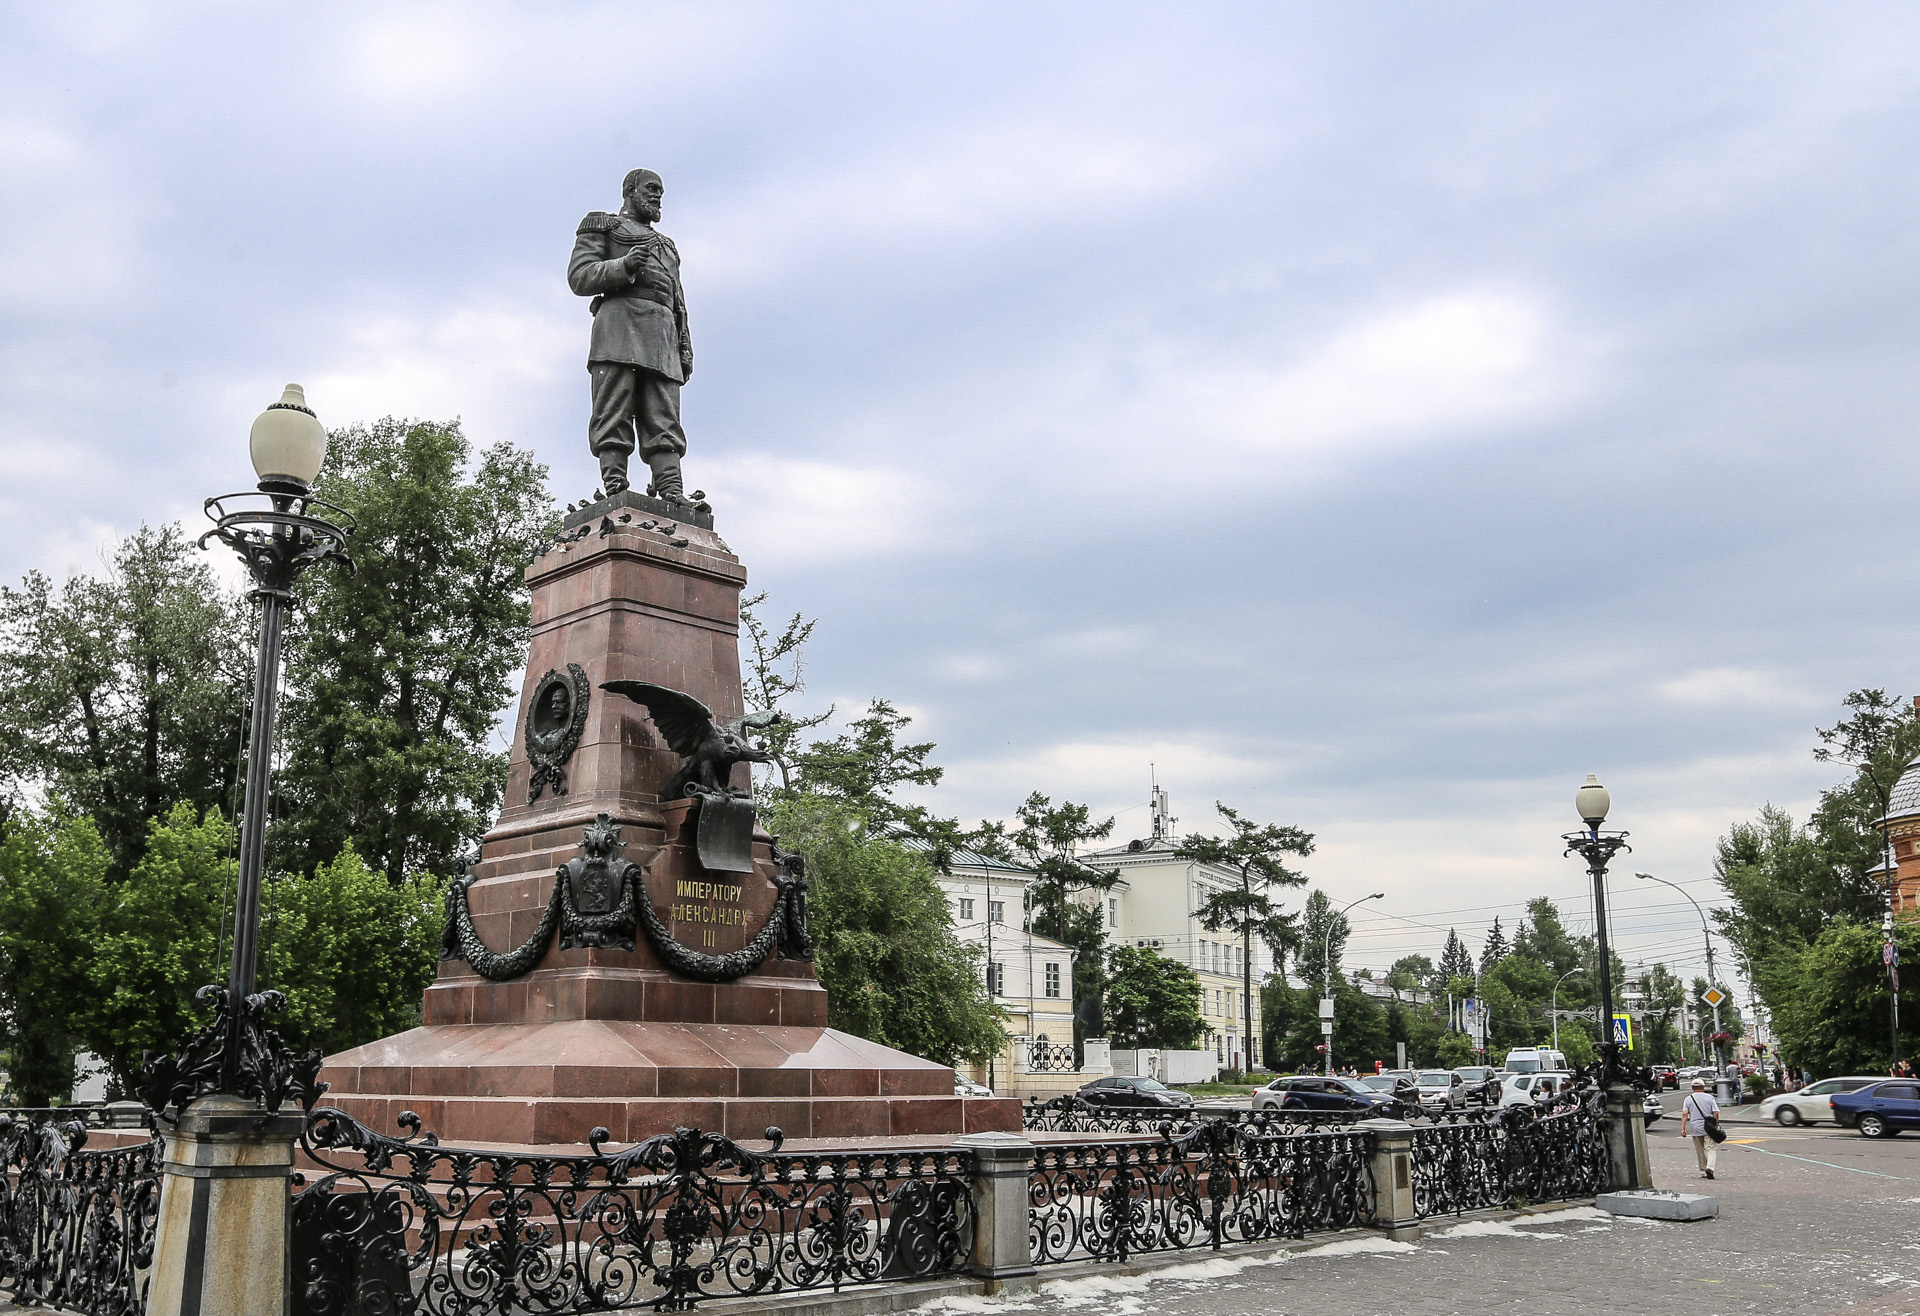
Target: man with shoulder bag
x=1700 y=1120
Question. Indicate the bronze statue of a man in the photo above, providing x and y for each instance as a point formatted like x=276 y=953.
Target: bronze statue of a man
x=640 y=354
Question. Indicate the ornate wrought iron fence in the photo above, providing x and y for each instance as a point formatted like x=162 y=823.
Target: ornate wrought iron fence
x=406 y=1225
x=1517 y=1154
x=1044 y=1057
x=1073 y=1114
x=1218 y=1182
x=76 y=1227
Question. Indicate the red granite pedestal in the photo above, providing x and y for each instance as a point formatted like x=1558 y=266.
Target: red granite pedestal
x=612 y=1038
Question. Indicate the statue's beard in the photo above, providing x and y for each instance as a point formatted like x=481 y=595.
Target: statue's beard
x=645 y=213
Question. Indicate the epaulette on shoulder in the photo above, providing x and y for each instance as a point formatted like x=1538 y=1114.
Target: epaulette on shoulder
x=598 y=221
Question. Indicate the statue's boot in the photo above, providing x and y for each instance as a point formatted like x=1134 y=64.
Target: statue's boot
x=666 y=477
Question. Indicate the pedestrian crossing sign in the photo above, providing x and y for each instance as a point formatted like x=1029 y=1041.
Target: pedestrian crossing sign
x=1713 y=996
x=1623 y=1030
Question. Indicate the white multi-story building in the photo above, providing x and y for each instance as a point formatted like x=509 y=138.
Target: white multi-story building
x=1158 y=906
x=1030 y=976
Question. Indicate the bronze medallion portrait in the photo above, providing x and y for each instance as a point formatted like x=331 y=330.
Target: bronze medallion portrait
x=555 y=719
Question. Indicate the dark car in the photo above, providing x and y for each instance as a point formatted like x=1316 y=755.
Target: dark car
x=1881 y=1110
x=1133 y=1091
x=1314 y=1092
x=1666 y=1076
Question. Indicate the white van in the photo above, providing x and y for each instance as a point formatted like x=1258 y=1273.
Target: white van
x=1534 y=1060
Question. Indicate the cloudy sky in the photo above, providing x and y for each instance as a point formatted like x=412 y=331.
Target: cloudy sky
x=1375 y=417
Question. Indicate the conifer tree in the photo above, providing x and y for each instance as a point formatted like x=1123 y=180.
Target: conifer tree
x=1494 y=949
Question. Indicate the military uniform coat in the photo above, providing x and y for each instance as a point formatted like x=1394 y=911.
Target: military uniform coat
x=638 y=320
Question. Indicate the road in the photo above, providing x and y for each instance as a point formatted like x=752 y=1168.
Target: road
x=1812 y=1221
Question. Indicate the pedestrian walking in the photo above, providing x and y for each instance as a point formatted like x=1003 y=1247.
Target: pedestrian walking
x=1700 y=1120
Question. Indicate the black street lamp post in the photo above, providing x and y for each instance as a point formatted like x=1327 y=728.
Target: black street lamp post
x=278 y=532
x=1598 y=849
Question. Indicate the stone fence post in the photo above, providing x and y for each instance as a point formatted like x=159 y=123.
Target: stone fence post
x=1392 y=1165
x=1002 y=1248
x=220 y=1246
x=1627 y=1164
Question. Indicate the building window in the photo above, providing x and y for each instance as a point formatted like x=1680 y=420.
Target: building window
x=996 y=911
x=1053 y=979
x=1113 y=913
x=1230 y=1005
x=997 y=978
x=966 y=909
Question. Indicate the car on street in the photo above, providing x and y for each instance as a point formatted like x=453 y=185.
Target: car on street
x=1666 y=1076
x=1480 y=1083
x=1520 y=1089
x=1654 y=1110
x=1378 y=1082
x=1812 y=1103
x=966 y=1087
x=1439 y=1088
x=1132 y=1091
x=1315 y=1092
x=1881 y=1109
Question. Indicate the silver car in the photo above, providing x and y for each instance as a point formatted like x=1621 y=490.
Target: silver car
x=1441 y=1087
x=1812 y=1103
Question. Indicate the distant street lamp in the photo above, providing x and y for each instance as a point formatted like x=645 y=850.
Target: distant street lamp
x=278 y=537
x=1326 y=962
x=1713 y=980
x=1554 y=1009
x=1598 y=849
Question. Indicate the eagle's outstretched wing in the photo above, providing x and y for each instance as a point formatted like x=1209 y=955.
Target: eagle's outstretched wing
x=740 y=726
x=684 y=721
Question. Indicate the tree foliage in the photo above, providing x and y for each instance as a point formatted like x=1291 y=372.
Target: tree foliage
x=883 y=937
x=1152 y=1001
x=352 y=952
x=161 y=938
x=125 y=694
x=1802 y=897
x=53 y=874
x=398 y=670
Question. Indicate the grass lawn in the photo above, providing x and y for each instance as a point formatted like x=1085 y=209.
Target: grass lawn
x=1217 y=1089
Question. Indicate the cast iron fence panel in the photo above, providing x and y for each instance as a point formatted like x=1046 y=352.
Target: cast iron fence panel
x=406 y=1225
x=1518 y=1154
x=1218 y=1182
x=76 y=1227
x=1044 y=1056
x=1073 y=1114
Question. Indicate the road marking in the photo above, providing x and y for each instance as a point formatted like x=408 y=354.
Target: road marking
x=1829 y=1164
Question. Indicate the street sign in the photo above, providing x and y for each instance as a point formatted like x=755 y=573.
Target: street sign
x=1623 y=1030
x=1713 y=996
x=1889 y=955
x=1326 y=1007
x=1327 y=1028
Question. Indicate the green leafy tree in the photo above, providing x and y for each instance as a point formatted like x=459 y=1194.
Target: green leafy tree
x=1832 y=1014
x=1323 y=939
x=352 y=952
x=1410 y=973
x=125 y=695
x=884 y=940
x=774 y=673
x=1545 y=939
x=1661 y=997
x=398 y=671
x=1152 y=1001
x=160 y=942
x=1361 y=1031
x=1257 y=855
x=53 y=872
x=1875 y=743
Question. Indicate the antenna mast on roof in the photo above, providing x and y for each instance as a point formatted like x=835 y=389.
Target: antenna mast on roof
x=1163 y=819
